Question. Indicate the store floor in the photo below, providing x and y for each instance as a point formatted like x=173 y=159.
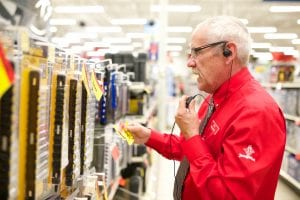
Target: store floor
x=160 y=182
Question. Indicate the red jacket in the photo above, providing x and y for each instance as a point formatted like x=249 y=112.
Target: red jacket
x=240 y=152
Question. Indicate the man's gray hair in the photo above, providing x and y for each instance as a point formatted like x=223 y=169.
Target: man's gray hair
x=228 y=28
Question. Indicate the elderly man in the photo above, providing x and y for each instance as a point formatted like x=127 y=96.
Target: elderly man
x=232 y=148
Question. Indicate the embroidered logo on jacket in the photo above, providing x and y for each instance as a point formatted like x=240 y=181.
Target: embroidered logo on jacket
x=214 y=127
x=248 y=153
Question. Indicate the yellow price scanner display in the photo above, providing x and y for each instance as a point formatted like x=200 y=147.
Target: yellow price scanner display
x=124 y=133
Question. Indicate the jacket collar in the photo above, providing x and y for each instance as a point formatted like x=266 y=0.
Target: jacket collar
x=231 y=86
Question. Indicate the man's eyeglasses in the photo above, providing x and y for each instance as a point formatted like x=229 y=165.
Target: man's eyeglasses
x=194 y=52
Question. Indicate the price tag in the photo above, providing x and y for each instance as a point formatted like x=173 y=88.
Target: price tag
x=85 y=79
x=115 y=152
x=51 y=54
x=24 y=37
x=125 y=134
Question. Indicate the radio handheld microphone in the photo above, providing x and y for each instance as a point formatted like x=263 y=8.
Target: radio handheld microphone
x=189 y=99
x=187 y=103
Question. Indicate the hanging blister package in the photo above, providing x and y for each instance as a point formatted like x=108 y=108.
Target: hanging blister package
x=8 y=134
x=59 y=122
x=98 y=146
x=88 y=116
x=57 y=131
x=34 y=121
x=30 y=84
x=71 y=132
x=83 y=127
x=9 y=112
x=31 y=135
x=105 y=97
x=72 y=170
x=5 y=141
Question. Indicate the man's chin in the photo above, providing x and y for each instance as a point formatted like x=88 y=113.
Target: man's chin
x=200 y=86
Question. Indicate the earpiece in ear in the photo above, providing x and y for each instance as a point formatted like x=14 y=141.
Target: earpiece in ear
x=227 y=53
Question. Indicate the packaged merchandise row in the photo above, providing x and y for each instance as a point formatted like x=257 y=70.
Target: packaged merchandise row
x=287 y=95
x=288 y=99
x=57 y=119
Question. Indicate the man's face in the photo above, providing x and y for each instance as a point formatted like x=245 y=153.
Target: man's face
x=208 y=63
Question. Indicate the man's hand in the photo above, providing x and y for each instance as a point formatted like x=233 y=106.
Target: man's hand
x=187 y=119
x=140 y=133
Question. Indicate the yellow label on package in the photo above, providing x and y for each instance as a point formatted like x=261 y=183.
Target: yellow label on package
x=85 y=79
x=125 y=134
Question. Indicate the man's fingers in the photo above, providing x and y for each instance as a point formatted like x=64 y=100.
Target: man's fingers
x=192 y=105
x=182 y=102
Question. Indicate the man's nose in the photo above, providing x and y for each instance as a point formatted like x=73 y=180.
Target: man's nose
x=191 y=62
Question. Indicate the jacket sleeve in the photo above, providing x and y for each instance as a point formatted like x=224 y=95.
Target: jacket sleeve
x=167 y=145
x=254 y=143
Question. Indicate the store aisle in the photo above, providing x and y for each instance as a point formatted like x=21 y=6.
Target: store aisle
x=285 y=192
x=164 y=179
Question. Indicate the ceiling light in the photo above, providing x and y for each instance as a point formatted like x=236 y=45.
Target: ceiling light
x=79 y=9
x=53 y=29
x=176 y=40
x=280 y=36
x=97 y=44
x=180 y=29
x=263 y=55
x=95 y=53
x=85 y=35
x=281 y=49
x=262 y=29
x=62 y=22
x=296 y=41
x=129 y=21
x=60 y=40
x=79 y=48
x=261 y=45
x=136 y=35
x=174 y=53
x=104 y=29
x=122 y=47
x=137 y=44
x=115 y=40
x=73 y=51
x=285 y=9
x=174 y=48
x=177 y=8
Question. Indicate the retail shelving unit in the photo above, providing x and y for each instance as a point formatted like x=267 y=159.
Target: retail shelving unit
x=287 y=95
x=283 y=85
x=290 y=180
x=61 y=144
